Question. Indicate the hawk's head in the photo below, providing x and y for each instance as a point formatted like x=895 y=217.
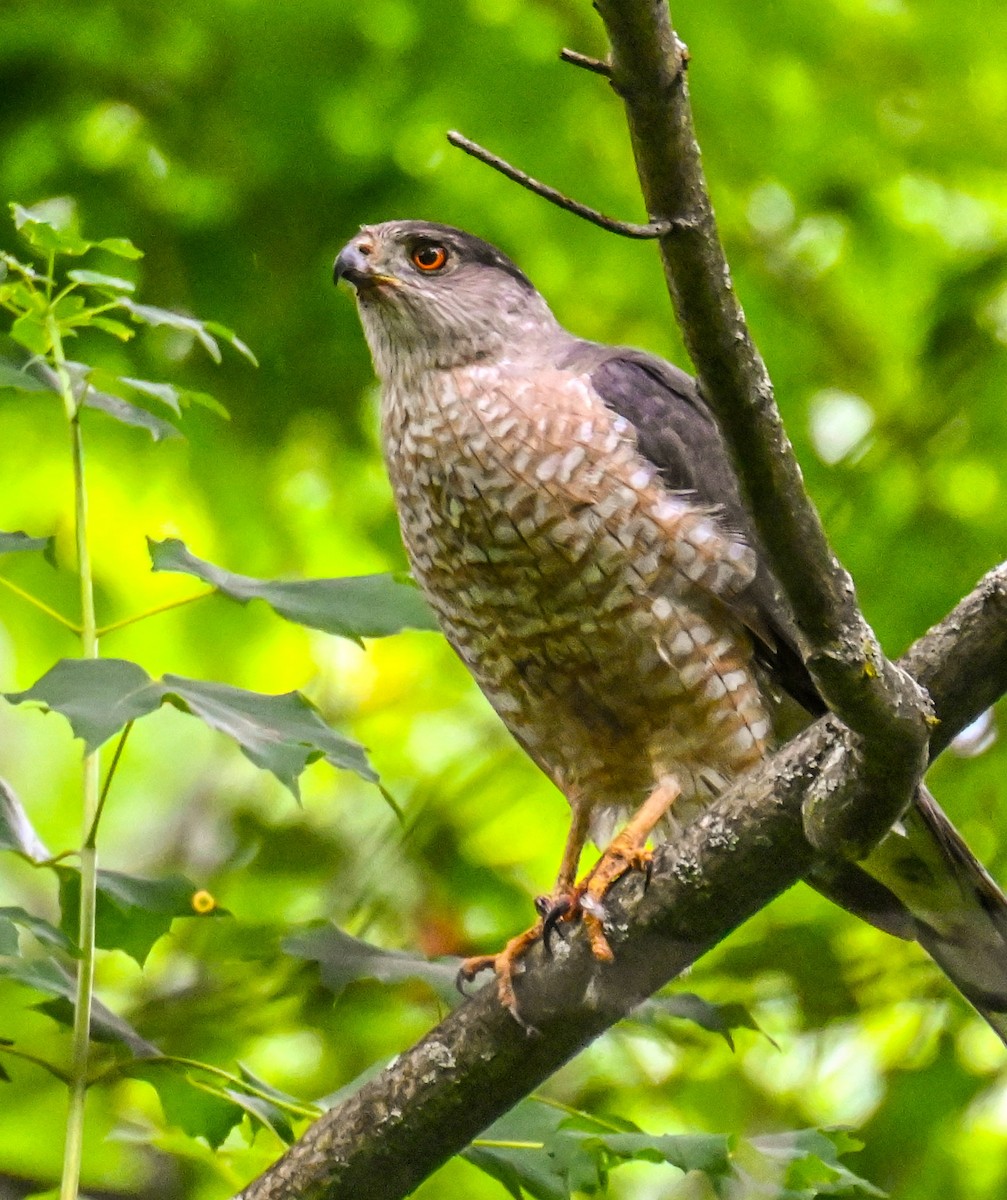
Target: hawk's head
x=432 y=296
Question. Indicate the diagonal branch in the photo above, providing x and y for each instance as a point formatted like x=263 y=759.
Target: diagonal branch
x=871 y=695
x=474 y=1066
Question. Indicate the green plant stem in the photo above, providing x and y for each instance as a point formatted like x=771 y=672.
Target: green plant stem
x=73 y=1153
x=153 y=612
x=40 y=604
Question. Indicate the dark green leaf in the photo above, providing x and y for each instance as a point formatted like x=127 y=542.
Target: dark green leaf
x=16 y=831
x=130 y=414
x=263 y=1113
x=107 y=283
x=10 y=943
x=160 y=391
x=12 y=543
x=41 y=929
x=281 y=734
x=343 y=959
x=354 y=607
x=131 y=913
x=48 y=977
x=716 y=1018
x=97 y=696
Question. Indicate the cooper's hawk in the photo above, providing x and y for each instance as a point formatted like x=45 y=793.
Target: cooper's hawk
x=571 y=514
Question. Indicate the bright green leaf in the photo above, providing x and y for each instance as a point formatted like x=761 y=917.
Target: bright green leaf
x=160 y=391
x=352 y=607
x=50 y=226
x=115 y=328
x=149 y=315
x=109 y=283
x=232 y=339
x=29 y=331
x=199 y=1110
x=119 y=246
x=130 y=414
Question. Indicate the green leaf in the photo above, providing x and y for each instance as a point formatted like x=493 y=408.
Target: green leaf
x=263 y=1113
x=51 y=226
x=232 y=339
x=41 y=929
x=131 y=913
x=106 y=283
x=130 y=414
x=10 y=943
x=715 y=1018
x=199 y=1110
x=13 y=543
x=29 y=331
x=353 y=607
x=115 y=328
x=48 y=977
x=119 y=246
x=343 y=959
x=97 y=696
x=147 y=314
x=160 y=391
x=16 y=831
x=807 y=1162
x=281 y=734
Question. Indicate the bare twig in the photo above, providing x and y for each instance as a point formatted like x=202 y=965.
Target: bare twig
x=478 y=1062
x=596 y=66
x=655 y=229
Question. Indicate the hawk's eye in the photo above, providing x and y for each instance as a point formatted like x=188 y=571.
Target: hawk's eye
x=429 y=256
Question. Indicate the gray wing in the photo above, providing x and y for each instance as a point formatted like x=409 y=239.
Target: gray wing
x=676 y=432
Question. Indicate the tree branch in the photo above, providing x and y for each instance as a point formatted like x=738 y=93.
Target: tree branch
x=400 y=1126
x=872 y=696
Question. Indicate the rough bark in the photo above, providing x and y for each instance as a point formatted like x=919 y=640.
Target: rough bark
x=872 y=696
x=476 y=1064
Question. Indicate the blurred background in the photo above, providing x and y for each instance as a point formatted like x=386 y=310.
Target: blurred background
x=856 y=151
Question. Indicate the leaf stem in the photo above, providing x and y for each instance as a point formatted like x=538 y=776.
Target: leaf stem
x=41 y=605
x=91 y=839
x=153 y=612
x=74 y=1145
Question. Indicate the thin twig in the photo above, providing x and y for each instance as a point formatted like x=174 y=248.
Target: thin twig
x=655 y=229
x=597 y=66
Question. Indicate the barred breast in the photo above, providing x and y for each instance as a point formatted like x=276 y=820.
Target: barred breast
x=591 y=604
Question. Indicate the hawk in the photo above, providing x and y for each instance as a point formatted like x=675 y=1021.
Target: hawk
x=573 y=517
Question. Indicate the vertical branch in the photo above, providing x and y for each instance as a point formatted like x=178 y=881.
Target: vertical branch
x=876 y=699
x=74 y=1146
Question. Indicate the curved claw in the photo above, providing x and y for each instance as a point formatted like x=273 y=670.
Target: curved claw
x=556 y=911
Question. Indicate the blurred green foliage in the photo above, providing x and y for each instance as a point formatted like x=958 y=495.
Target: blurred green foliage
x=856 y=154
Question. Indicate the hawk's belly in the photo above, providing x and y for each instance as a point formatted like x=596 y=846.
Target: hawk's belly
x=585 y=599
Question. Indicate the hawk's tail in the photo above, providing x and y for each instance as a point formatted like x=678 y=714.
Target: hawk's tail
x=922 y=881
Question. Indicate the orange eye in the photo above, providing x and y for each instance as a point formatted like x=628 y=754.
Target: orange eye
x=429 y=256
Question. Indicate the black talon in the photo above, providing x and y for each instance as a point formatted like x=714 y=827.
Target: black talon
x=648 y=871
x=551 y=919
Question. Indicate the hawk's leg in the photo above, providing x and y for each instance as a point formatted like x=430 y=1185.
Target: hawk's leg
x=561 y=899
x=627 y=851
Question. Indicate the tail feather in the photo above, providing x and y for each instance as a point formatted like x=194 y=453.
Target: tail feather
x=923 y=882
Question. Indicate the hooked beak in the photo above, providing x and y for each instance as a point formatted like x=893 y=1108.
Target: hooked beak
x=353 y=264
